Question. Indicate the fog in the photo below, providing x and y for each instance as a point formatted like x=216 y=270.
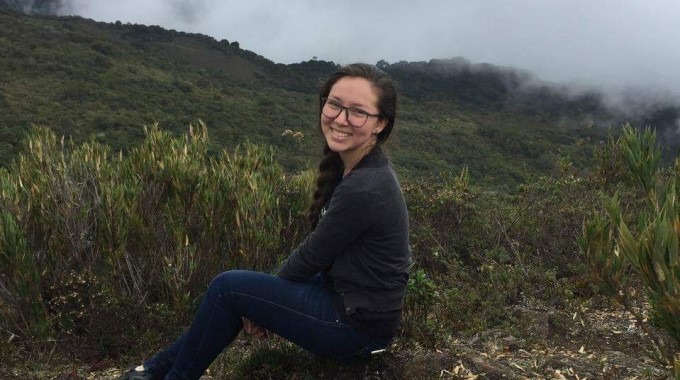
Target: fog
x=606 y=44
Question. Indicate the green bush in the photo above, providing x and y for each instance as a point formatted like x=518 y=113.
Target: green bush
x=649 y=248
x=419 y=307
x=479 y=255
x=443 y=215
x=86 y=233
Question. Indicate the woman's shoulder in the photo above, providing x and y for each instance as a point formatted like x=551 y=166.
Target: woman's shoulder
x=370 y=180
x=373 y=172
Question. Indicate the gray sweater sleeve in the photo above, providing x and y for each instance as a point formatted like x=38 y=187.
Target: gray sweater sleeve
x=347 y=216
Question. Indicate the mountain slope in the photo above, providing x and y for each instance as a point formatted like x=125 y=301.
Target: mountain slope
x=85 y=78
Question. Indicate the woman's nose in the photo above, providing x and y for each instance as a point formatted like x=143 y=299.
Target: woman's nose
x=343 y=117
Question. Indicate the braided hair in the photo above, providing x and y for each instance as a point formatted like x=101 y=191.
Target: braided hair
x=331 y=167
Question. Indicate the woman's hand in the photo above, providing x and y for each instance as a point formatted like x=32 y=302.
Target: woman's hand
x=251 y=328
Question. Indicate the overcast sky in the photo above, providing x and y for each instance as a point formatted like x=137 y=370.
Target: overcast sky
x=599 y=43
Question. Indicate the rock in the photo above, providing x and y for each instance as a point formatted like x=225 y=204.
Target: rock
x=495 y=340
x=493 y=369
x=535 y=321
x=582 y=366
x=424 y=365
x=619 y=364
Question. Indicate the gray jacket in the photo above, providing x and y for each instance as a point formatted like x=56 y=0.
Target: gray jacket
x=361 y=243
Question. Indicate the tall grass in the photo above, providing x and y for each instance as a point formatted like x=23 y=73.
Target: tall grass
x=616 y=247
x=115 y=249
x=83 y=229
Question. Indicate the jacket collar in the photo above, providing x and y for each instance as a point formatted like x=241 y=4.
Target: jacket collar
x=374 y=159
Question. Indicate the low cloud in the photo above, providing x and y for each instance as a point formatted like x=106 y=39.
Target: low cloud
x=623 y=49
x=606 y=44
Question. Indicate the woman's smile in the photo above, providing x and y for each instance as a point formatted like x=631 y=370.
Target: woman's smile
x=352 y=142
x=340 y=134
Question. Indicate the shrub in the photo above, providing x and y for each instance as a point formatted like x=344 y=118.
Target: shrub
x=86 y=233
x=479 y=254
x=649 y=249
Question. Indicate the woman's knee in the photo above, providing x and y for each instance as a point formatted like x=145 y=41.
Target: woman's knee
x=232 y=280
x=223 y=280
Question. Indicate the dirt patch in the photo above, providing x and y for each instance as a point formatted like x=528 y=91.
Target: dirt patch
x=592 y=343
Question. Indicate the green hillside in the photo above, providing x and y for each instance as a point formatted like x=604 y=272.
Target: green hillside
x=109 y=236
x=87 y=79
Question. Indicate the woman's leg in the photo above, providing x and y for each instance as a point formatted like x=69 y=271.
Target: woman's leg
x=161 y=363
x=300 y=312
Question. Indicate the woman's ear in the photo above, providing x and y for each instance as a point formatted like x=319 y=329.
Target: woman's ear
x=379 y=126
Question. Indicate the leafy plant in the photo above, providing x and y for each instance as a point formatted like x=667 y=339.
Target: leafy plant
x=421 y=297
x=649 y=249
x=85 y=232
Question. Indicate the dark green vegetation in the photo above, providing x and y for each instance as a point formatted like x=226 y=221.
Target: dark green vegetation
x=615 y=246
x=109 y=253
x=82 y=78
x=109 y=237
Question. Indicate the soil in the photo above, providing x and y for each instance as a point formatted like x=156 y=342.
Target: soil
x=586 y=343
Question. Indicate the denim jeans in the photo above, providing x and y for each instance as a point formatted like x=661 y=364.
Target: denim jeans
x=301 y=312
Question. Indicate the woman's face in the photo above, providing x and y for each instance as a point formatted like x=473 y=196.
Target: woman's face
x=349 y=141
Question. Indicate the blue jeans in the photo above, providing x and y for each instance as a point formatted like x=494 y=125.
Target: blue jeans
x=301 y=312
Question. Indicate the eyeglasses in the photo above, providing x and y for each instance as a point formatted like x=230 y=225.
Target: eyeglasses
x=355 y=117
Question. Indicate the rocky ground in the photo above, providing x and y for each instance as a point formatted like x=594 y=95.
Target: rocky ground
x=597 y=343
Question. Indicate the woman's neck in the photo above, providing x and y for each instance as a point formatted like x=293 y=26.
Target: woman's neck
x=351 y=160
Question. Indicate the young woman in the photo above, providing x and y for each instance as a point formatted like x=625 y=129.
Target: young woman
x=341 y=291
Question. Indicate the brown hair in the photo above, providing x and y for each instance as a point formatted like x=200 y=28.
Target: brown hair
x=331 y=167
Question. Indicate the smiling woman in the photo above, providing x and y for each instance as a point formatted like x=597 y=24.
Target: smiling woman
x=348 y=134
x=340 y=293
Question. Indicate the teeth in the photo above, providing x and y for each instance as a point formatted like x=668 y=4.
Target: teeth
x=340 y=134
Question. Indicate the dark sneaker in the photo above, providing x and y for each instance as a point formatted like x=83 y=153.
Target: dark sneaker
x=137 y=373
